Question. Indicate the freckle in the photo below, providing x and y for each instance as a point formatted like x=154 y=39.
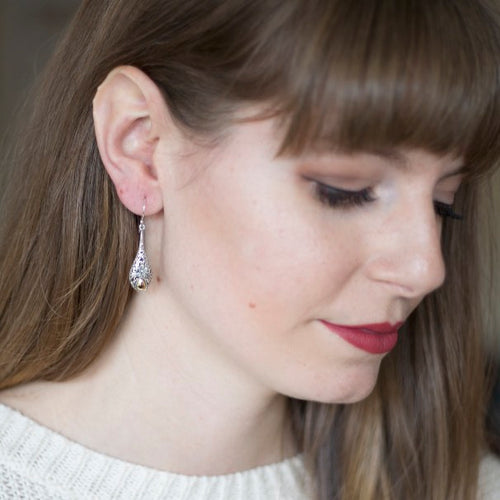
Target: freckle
x=251 y=305
x=158 y=279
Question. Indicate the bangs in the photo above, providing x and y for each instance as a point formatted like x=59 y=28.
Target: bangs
x=397 y=74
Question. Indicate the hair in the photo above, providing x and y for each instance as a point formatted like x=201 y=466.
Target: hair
x=380 y=75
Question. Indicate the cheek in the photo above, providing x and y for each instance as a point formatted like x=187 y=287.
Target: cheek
x=252 y=279
x=244 y=257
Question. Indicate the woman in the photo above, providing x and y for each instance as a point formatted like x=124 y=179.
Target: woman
x=302 y=175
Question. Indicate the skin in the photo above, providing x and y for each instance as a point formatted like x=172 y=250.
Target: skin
x=247 y=261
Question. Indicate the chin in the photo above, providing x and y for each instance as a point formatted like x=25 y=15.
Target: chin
x=355 y=395
x=346 y=388
x=346 y=395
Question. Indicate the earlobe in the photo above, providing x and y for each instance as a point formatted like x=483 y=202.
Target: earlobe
x=127 y=118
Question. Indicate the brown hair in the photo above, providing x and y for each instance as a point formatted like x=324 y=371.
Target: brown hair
x=356 y=76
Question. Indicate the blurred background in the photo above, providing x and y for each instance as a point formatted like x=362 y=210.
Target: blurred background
x=29 y=30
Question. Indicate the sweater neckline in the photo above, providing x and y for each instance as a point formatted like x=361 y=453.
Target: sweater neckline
x=53 y=458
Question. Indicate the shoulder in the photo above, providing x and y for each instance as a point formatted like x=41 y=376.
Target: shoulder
x=489 y=478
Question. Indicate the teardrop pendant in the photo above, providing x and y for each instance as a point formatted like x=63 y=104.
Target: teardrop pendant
x=140 y=273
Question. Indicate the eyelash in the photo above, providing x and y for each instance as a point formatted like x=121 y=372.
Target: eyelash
x=340 y=198
x=446 y=211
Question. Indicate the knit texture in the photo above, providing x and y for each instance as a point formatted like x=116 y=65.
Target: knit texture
x=489 y=478
x=39 y=464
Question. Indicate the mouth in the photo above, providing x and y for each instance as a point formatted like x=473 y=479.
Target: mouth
x=377 y=338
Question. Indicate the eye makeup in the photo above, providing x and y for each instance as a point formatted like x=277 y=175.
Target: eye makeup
x=446 y=211
x=341 y=198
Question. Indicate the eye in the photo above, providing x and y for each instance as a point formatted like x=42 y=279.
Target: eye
x=446 y=211
x=341 y=198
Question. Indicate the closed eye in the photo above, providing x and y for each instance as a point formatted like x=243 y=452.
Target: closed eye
x=335 y=197
x=341 y=198
x=446 y=211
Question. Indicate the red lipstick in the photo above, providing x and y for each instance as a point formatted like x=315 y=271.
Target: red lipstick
x=378 y=338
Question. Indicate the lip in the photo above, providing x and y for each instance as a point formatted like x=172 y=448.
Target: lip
x=377 y=338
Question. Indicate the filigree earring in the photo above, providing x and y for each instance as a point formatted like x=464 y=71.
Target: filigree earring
x=140 y=272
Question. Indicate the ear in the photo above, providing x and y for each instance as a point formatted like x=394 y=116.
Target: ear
x=129 y=117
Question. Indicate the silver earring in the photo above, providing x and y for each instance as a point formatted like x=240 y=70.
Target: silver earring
x=140 y=272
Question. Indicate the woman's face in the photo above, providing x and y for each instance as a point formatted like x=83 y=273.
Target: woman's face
x=268 y=260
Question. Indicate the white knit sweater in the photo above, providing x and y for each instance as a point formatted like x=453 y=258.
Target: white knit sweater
x=39 y=464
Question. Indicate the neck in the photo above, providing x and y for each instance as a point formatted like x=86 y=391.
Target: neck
x=161 y=397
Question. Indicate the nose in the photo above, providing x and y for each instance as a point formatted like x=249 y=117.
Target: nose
x=409 y=255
